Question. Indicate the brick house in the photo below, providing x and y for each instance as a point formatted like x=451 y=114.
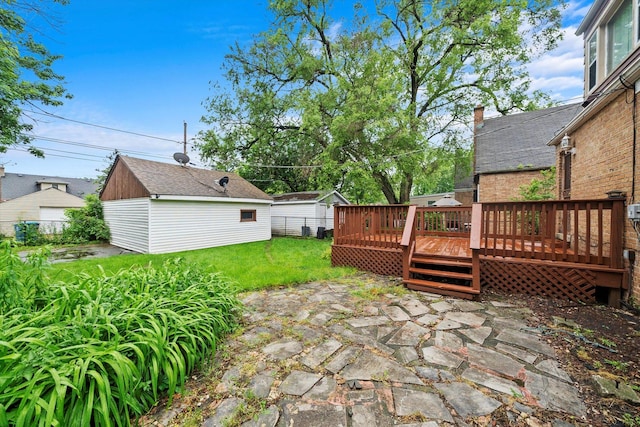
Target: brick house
x=598 y=150
x=510 y=151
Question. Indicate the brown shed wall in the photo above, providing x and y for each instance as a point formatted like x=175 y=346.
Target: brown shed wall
x=122 y=184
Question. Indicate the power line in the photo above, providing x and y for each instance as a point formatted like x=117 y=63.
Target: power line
x=87 y=145
x=58 y=155
x=44 y=113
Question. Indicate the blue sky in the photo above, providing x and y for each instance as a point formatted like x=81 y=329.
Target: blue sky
x=144 y=67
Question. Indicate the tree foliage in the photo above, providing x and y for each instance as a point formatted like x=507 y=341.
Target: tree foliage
x=86 y=224
x=542 y=188
x=26 y=73
x=371 y=99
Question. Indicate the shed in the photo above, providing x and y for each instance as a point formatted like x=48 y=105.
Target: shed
x=303 y=213
x=154 y=207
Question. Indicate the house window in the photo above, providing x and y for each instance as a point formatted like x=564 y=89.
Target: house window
x=593 y=60
x=247 y=215
x=620 y=35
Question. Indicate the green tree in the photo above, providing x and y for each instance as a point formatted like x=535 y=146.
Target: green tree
x=542 y=188
x=370 y=99
x=26 y=73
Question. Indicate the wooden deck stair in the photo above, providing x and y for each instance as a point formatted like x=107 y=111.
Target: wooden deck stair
x=442 y=275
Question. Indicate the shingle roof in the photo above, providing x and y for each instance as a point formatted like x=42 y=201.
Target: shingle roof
x=300 y=196
x=518 y=141
x=16 y=185
x=169 y=179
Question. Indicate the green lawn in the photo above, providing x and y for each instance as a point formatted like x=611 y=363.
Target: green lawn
x=249 y=266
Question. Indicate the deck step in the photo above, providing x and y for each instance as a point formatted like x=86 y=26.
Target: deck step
x=430 y=286
x=441 y=273
x=450 y=262
x=441 y=288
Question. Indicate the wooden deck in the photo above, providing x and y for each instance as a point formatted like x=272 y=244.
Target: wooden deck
x=562 y=249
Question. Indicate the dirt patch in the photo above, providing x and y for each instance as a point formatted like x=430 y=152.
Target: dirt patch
x=593 y=340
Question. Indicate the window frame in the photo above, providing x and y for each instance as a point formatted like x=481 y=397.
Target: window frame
x=252 y=212
x=592 y=61
x=610 y=65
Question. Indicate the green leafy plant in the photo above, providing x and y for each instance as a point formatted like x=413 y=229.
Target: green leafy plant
x=22 y=283
x=620 y=366
x=100 y=350
x=86 y=224
x=630 y=420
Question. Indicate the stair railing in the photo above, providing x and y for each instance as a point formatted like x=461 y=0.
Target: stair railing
x=408 y=241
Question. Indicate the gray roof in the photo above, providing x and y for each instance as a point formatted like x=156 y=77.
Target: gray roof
x=303 y=196
x=519 y=141
x=175 y=180
x=16 y=185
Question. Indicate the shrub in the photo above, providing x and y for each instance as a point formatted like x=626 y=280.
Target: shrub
x=104 y=349
x=86 y=224
x=22 y=284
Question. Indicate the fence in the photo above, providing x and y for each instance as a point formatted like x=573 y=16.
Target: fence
x=45 y=227
x=303 y=226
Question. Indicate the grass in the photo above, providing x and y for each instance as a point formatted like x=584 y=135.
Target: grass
x=249 y=266
x=98 y=342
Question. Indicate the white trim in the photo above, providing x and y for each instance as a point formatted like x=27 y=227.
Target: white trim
x=208 y=199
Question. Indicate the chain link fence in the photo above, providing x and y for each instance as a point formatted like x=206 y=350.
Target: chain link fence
x=302 y=226
x=8 y=228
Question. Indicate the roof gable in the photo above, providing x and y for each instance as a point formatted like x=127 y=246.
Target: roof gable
x=157 y=178
x=519 y=141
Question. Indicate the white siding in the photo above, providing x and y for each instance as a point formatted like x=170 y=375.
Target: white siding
x=128 y=221
x=27 y=208
x=288 y=219
x=185 y=225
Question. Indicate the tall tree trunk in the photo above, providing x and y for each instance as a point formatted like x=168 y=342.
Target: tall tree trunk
x=405 y=187
x=387 y=187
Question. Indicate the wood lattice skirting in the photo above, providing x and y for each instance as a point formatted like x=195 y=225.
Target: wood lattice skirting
x=541 y=279
x=387 y=262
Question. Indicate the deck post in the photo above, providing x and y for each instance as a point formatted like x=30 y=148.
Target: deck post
x=408 y=241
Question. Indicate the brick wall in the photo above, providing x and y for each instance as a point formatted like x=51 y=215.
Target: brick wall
x=503 y=187
x=603 y=162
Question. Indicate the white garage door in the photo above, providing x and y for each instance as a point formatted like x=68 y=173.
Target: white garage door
x=52 y=219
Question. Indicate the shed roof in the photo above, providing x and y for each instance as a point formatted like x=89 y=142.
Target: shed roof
x=303 y=196
x=176 y=180
x=519 y=141
x=16 y=185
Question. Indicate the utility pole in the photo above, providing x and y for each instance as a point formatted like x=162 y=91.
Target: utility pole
x=185 y=138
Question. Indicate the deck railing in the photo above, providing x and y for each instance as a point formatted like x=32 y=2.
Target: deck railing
x=373 y=225
x=580 y=231
x=383 y=225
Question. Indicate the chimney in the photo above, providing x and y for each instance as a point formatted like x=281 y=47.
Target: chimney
x=478 y=121
x=478 y=116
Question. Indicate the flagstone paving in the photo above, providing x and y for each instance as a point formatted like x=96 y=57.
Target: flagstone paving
x=321 y=354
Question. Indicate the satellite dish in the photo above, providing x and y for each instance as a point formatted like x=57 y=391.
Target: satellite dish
x=224 y=181
x=181 y=158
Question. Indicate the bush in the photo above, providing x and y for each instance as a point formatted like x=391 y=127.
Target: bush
x=22 y=284
x=86 y=224
x=101 y=350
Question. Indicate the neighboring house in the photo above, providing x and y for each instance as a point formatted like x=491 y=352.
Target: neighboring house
x=429 y=199
x=154 y=207
x=41 y=199
x=303 y=213
x=510 y=151
x=598 y=151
